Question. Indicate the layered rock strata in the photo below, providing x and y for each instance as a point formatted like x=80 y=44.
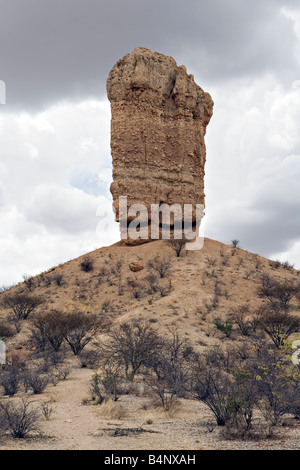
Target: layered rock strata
x=158 y=123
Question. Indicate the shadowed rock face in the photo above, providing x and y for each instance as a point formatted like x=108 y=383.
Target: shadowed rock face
x=158 y=124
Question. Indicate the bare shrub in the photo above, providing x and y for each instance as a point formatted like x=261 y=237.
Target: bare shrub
x=170 y=366
x=10 y=379
x=287 y=265
x=177 y=245
x=161 y=265
x=20 y=419
x=58 y=279
x=240 y=318
x=48 y=409
x=29 y=282
x=225 y=260
x=132 y=343
x=135 y=287
x=6 y=331
x=211 y=260
x=87 y=265
x=229 y=393
x=278 y=293
x=35 y=380
x=274 y=264
x=153 y=283
x=90 y=358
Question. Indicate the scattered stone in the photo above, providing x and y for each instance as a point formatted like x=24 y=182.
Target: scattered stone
x=135 y=267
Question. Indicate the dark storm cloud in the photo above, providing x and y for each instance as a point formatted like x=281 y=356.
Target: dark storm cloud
x=64 y=49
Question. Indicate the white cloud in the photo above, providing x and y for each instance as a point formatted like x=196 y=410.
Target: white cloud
x=253 y=166
x=48 y=212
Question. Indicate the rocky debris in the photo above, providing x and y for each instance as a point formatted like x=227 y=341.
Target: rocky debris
x=135 y=267
x=158 y=123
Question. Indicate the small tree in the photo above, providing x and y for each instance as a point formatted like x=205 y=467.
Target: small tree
x=21 y=304
x=278 y=293
x=170 y=365
x=49 y=328
x=229 y=392
x=160 y=265
x=235 y=242
x=246 y=322
x=275 y=383
x=279 y=326
x=177 y=244
x=212 y=387
x=80 y=329
x=133 y=343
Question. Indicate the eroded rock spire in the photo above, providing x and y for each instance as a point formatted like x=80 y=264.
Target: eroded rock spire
x=158 y=122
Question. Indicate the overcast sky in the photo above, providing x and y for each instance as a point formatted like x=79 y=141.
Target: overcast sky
x=55 y=162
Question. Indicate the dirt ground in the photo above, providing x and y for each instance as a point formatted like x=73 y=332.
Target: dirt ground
x=133 y=422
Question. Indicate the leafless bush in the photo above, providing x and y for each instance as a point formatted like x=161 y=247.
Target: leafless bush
x=116 y=269
x=161 y=265
x=211 y=260
x=136 y=287
x=62 y=371
x=287 y=265
x=29 y=281
x=274 y=264
x=170 y=366
x=132 y=344
x=177 y=245
x=10 y=379
x=90 y=358
x=225 y=260
x=257 y=263
x=35 y=380
x=87 y=265
x=47 y=409
x=6 y=331
x=278 y=293
x=152 y=280
x=105 y=306
x=58 y=279
x=248 y=274
x=240 y=318
x=20 y=419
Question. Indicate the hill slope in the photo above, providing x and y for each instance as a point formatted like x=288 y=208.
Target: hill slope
x=147 y=282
